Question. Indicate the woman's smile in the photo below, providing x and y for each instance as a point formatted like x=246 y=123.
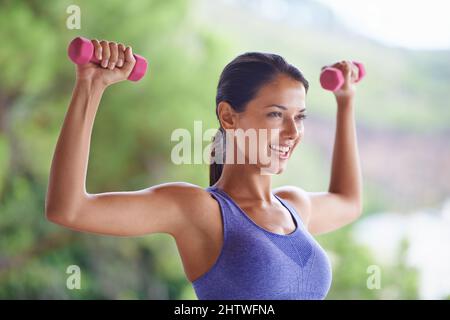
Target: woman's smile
x=283 y=151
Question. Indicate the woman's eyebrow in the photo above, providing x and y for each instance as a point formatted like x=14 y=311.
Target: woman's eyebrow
x=282 y=107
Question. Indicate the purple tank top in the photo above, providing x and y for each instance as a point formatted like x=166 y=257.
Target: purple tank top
x=258 y=264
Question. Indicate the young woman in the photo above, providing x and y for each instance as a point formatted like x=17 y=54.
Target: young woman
x=237 y=238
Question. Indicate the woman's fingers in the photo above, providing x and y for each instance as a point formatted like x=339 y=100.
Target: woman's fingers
x=111 y=54
x=350 y=70
x=116 y=58
x=97 y=49
x=106 y=53
x=114 y=55
x=355 y=72
x=347 y=68
x=121 y=59
x=129 y=61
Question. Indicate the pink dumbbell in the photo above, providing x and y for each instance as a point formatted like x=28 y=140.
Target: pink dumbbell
x=81 y=51
x=332 y=78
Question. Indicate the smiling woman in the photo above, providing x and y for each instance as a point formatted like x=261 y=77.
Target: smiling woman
x=238 y=238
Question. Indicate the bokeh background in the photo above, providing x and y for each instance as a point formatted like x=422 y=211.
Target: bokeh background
x=402 y=115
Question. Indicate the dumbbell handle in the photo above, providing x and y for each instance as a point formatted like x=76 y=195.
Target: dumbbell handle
x=81 y=51
x=332 y=78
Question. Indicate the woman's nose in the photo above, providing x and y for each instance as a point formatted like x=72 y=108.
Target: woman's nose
x=291 y=130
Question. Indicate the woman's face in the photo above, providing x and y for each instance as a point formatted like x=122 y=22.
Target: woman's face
x=278 y=105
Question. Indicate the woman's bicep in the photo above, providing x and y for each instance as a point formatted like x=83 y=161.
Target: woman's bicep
x=157 y=209
x=330 y=211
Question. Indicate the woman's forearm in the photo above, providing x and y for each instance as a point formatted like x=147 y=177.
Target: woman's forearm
x=67 y=182
x=346 y=178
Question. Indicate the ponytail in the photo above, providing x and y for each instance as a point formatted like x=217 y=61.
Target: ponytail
x=217 y=156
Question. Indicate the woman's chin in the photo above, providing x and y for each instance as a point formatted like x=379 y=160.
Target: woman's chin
x=275 y=167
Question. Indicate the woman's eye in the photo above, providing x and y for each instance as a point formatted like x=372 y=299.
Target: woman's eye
x=274 y=114
x=279 y=114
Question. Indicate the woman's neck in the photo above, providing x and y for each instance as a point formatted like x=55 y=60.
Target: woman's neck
x=244 y=181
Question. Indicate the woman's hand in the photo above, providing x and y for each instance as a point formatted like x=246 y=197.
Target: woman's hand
x=350 y=72
x=116 y=64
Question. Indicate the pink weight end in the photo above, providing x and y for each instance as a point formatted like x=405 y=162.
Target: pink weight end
x=331 y=78
x=80 y=50
x=140 y=68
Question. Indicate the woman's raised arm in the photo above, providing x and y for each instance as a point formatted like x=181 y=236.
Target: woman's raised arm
x=155 y=209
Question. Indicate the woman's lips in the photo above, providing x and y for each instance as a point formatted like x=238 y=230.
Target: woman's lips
x=283 y=152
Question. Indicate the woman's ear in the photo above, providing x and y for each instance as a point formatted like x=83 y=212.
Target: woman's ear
x=227 y=115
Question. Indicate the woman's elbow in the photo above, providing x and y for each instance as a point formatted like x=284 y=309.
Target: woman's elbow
x=58 y=215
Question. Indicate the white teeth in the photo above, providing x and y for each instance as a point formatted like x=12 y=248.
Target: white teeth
x=280 y=148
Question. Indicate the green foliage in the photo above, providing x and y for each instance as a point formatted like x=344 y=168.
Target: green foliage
x=4 y=159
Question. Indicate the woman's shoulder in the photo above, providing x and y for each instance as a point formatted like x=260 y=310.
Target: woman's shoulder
x=199 y=210
x=189 y=196
x=181 y=190
x=298 y=198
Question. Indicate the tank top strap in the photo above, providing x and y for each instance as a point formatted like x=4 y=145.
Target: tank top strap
x=230 y=217
x=292 y=210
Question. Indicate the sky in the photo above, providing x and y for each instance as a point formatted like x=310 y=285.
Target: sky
x=412 y=24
